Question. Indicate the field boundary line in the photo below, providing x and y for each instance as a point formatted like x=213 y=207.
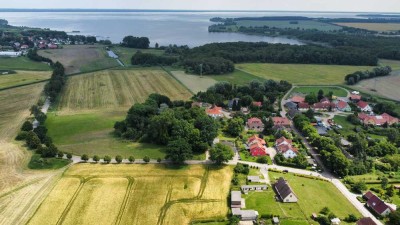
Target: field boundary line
x=71 y=202
x=169 y=73
x=129 y=189
x=204 y=181
x=21 y=187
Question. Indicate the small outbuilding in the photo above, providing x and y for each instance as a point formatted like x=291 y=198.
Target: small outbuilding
x=335 y=221
x=236 y=199
x=275 y=220
x=247 y=188
x=249 y=215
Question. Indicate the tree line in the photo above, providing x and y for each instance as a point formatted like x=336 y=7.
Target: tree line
x=148 y=59
x=136 y=42
x=357 y=76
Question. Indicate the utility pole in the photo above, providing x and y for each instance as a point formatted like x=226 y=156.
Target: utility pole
x=201 y=70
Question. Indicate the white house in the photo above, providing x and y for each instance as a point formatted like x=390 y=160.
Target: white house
x=284 y=191
x=285 y=147
x=364 y=106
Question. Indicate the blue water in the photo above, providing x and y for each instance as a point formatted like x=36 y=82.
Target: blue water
x=181 y=28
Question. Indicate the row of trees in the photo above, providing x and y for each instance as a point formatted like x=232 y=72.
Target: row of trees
x=355 y=77
x=136 y=42
x=331 y=155
x=208 y=65
x=148 y=59
x=32 y=55
x=158 y=120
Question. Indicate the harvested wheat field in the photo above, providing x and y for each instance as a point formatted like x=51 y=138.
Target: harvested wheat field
x=80 y=58
x=141 y=194
x=384 y=86
x=195 y=83
x=118 y=89
x=23 y=77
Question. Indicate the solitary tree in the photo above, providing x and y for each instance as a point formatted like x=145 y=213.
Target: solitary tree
x=146 y=159
x=85 y=157
x=159 y=160
x=118 y=158
x=96 y=158
x=131 y=159
x=107 y=159
x=69 y=156
x=221 y=153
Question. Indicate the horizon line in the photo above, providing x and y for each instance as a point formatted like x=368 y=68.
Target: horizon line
x=171 y=10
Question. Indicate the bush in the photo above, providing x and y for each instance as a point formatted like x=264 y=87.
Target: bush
x=159 y=160
x=131 y=159
x=69 y=156
x=351 y=218
x=146 y=159
x=242 y=168
x=118 y=158
x=85 y=157
x=96 y=158
x=21 y=136
x=60 y=154
x=107 y=159
x=262 y=160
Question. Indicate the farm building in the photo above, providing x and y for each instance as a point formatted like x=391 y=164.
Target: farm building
x=281 y=122
x=377 y=120
x=10 y=54
x=247 y=188
x=343 y=106
x=284 y=191
x=365 y=221
x=285 y=147
x=215 y=112
x=253 y=178
x=297 y=99
x=255 y=124
x=376 y=205
x=364 y=106
x=236 y=199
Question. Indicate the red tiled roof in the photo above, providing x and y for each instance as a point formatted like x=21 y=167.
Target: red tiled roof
x=377 y=120
x=281 y=121
x=362 y=104
x=355 y=97
x=342 y=104
x=325 y=99
x=297 y=99
x=258 y=104
x=323 y=105
x=257 y=149
x=368 y=195
x=281 y=140
x=254 y=120
x=366 y=221
x=214 y=111
x=377 y=204
x=255 y=138
x=304 y=105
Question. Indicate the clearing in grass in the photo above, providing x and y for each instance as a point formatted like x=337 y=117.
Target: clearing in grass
x=194 y=83
x=22 y=77
x=187 y=194
x=302 y=74
x=22 y=63
x=80 y=58
x=118 y=89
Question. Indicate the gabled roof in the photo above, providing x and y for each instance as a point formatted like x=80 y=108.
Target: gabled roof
x=297 y=99
x=236 y=196
x=293 y=112
x=258 y=104
x=377 y=204
x=214 y=111
x=304 y=105
x=254 y=120
x=281 y=121
x=320 y=105
x=366 y=221
x=281 y=140
x=283 y=188
x=285 y=148
x=362 y=104
x=255 y=138
x=342 y=104
x=355 y=97
x=325 y=99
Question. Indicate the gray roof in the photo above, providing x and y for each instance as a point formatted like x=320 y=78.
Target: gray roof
x=249 y=213
x=344 y=142
x=283 y=188
x=293 y=112
x=236 y=212
x=252 y=186
x=291 y=105
x=236 y=196
x=257 y=178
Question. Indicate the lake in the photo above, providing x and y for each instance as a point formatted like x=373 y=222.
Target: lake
x=165 y=27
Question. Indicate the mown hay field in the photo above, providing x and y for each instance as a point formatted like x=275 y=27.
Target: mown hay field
x=302 y=74
x=387 y=86
x=80 y=58
x=194 y=83
x=22 y=63
x=22 y=77
x=373 y=26
x=118 y=89
x=141 y=194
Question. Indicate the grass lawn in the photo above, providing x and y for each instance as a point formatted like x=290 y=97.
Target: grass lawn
x=339 y=92
x=22 y=77
x=92 y=134
x=237 y=77
x=38 y=163
x=301 y=74
x=249 y=158
x=328 y=195
x=125 y=54
x=22 y=63
x=194 y=83
x=302 y=24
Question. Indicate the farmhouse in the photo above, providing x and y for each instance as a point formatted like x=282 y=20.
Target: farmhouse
x=281 y=122
x=363 y=106
x=303 y=106
x=355 y=97
x=285 y=147
x=215 y=112
x=376 y=205
x=365 y=221
x=324 y=106
x=377 y=120
x=297 y=99
x=343 y=106
x=253 y=178
x=284 y=191
x=236 y=199
x=255 y=124
x=247 y=188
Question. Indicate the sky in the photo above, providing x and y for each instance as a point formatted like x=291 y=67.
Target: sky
x=288 y=5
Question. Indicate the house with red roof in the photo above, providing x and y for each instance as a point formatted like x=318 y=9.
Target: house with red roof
x=281 y=122
x=284 y=146
x=297 y=99
x=366 y=221
x=377 y=120
x=257 y=104
x=376 y=205
x=355 y=97
x=255 y=124
x=303 y=106
x=215 y=112
x=257 y=146
x=325 y=100
x=324 y=106
x=52 y=46
x=343 y=106
x=364 y=106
